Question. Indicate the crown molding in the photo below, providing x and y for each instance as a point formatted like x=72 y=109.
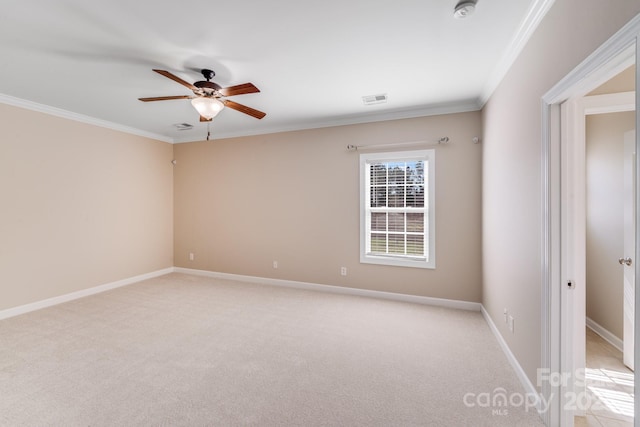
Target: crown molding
x=58 y=112
x=452 y=108
x=529 y=24
x=462 y=107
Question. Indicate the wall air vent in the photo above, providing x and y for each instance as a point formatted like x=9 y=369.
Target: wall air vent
x=375 y=99
x=183 y=126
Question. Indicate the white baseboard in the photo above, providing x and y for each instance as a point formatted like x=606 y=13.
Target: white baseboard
x=522 y=376
x=605 y=334
x=22 y=309
x=456 y=304
x=460 y=305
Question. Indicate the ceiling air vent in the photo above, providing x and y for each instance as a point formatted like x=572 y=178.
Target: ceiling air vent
x=375 y=99
x=183 y=126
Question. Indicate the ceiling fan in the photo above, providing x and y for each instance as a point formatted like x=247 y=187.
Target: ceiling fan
x=208 y=97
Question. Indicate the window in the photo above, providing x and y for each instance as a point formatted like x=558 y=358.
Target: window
x=397 y=208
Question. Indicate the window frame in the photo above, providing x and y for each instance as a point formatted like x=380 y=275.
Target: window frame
x=428 y=157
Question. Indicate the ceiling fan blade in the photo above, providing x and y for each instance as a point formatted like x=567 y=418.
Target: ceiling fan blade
x=244 y=109
x=204 y=119
x=166 y=98
x=239 y=89
x=176 y=79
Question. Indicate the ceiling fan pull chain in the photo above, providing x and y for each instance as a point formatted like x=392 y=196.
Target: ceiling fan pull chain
x=208 y=130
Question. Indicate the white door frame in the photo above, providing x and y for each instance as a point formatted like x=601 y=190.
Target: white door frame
x=629 y=249
x=557 y=315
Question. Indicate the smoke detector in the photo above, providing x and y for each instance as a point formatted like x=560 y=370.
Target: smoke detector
x=464 y=9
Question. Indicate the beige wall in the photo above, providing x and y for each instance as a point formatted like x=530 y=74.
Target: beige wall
x=605 y=231
x=81 y=206
x=512 y=186
x=293 y=197
x=623 y=82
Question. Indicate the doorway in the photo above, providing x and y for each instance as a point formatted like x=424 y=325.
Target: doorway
x=607 y=389
x=595 y=136
x=563 y=266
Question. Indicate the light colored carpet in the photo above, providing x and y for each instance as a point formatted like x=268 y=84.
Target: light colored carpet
x=188 y=350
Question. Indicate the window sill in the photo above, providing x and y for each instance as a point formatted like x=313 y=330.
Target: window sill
x=398 y=261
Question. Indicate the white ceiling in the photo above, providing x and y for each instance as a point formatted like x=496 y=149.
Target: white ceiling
x=313 y=61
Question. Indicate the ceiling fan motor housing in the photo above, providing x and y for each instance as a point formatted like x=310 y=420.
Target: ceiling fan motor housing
x=211 y=86
x=207 y=88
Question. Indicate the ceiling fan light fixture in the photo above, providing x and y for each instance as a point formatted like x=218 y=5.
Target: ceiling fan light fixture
x=207 y=107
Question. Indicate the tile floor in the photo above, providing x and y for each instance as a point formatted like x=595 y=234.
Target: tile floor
x=609 y=386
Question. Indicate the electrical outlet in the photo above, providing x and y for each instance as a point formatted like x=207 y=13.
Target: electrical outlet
x=275 y=264
x=511 y=322
x=191 y=256
x=343 y=271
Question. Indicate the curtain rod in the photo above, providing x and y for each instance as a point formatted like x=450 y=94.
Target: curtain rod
x=441 y=141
